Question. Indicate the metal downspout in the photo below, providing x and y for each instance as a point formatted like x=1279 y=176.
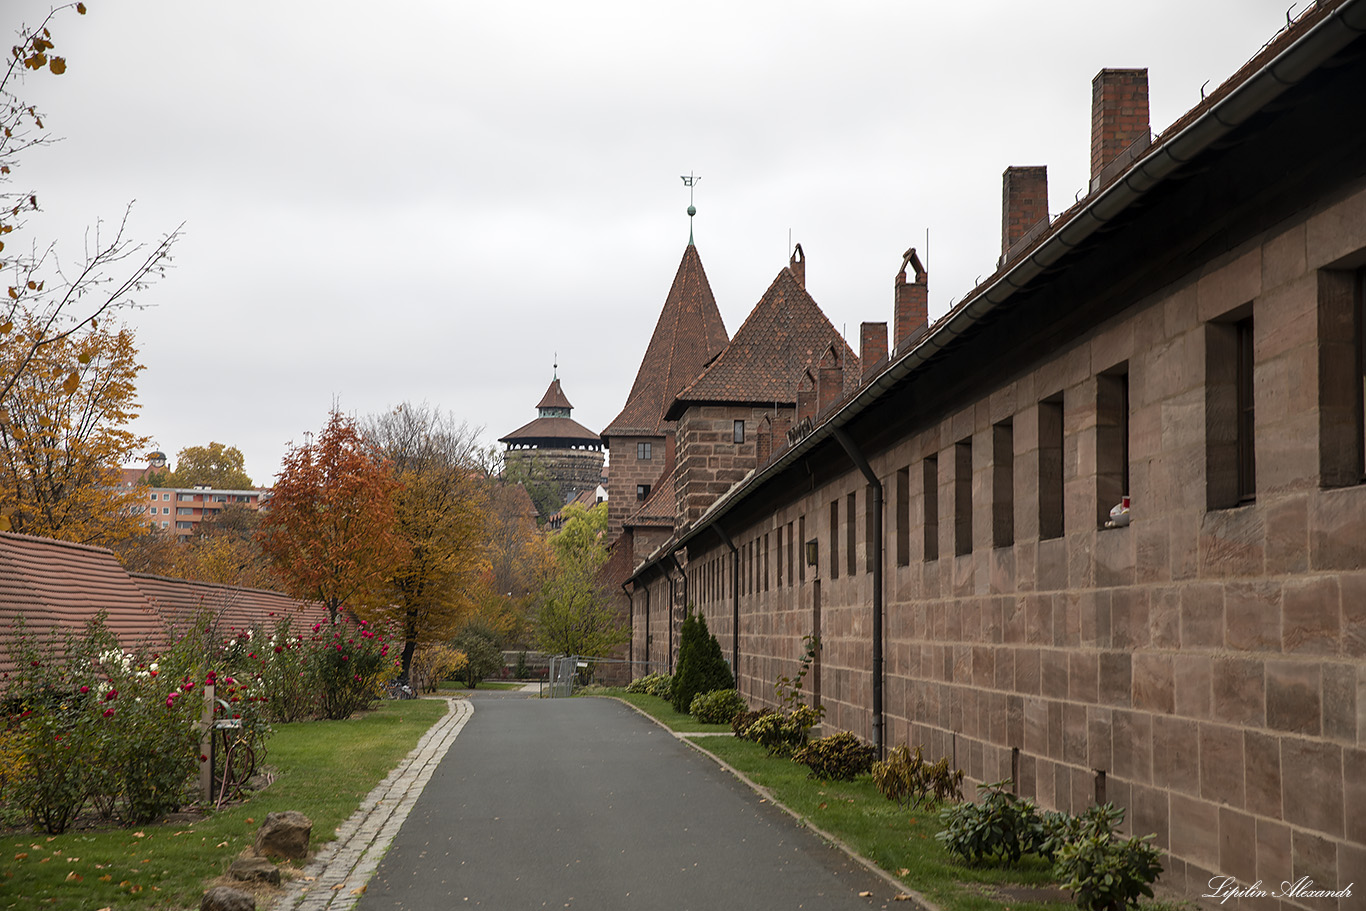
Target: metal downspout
x=875 y=484
x=631 y=644
x=669 y=619
x=735 y=603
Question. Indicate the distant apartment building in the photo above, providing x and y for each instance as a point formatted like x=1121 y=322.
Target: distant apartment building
x=179 y=510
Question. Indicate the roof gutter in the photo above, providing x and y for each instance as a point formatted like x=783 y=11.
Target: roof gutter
x=1290 y=67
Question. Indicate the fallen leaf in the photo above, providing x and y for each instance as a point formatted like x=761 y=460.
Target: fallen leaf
x=45 y=860
x=821 y=806
x=147 y=860
x=903 y=872
x=338 y=886
x=221 y=844
x=139 y=834
x=74 y=877
x=106 y=878
x=73 y=860
x=309 y=879
x=249 y=819
x=903 y=897
x=21 y=856
x=359 y=891
x=865 y=895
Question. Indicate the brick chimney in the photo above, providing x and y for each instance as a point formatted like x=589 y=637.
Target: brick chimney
x=912 y=309
x=829 y=379
x=806 y=397
x=797 y=263
x=872 y=350
x=1024 y=204
x=1119 y=119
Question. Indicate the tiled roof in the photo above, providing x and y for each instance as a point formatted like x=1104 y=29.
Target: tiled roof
x=553 y=429
x=179 y=601
x=53 y=584
x=554 y=397
x=688 y=335
x=784 y=334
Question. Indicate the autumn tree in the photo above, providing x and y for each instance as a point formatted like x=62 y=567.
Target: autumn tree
x=63 y=436
x=43 y=300
x=574 y=615
x=215 y=465
x=329 y=533
x=531 y=472
x=439 y=505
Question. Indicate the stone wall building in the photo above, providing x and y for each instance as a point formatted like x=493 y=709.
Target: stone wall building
x=1102 y=528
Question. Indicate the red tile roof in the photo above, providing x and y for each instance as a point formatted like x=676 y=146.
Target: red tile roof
x=785 y=333
x=552 y=429
x=554 y=397
x=688 y=335
x=55 y=584
x=661 y=506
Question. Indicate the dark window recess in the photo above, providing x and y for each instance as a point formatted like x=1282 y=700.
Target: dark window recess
x=739 y=431
x=642 y=491
x=835 y=539
x=1003 y=484
x=802 y=561
x=869 y=520
x=1050 y=468
x=931 y=498
x=903 y=517
x=1112 y=441
x=962 y=497
x=1247 y=455
x=850 y=535
x=644 y=451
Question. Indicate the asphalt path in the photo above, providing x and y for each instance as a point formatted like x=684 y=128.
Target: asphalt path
x=584 y=803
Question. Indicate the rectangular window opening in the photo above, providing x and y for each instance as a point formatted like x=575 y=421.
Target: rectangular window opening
x=962 y=497
x=834 y=539
x=644 y=451
x=801 y=536
x=1003 y=484
x=851 y=535
x=778 y=557
x=1050 y=468
x=1112 y=441
x=903 y=516
x=739 y=431
x=931 y=498
x=642 y=491
x=869 y=529
x=1247 y=454
x=1230 y=454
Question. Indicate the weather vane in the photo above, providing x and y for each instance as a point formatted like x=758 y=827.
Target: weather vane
x=555 y=366
x=690 y=180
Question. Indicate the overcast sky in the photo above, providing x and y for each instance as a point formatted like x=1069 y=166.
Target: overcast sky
x=426 y=200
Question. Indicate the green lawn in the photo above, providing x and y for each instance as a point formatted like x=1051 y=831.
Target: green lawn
x=325 y=769
x=900 y=841
x=454 y=688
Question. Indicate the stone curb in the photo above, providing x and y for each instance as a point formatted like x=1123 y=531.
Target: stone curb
x=337 y=876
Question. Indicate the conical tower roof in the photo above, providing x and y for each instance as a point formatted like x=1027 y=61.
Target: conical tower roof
x=785 y=333
x=554 y=397
x=688 y=335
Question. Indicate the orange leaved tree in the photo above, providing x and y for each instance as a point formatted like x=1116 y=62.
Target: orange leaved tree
x=329 y=533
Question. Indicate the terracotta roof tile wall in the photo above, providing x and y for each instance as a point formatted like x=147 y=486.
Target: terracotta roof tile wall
x=688 y=335
x=179 y=601
x=784 y=333
x=660 y=507
x=53 y=584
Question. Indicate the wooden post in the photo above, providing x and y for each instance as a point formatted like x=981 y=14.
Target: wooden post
x=206 y=745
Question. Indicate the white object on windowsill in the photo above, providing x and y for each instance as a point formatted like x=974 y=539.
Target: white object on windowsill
x=1119 y=515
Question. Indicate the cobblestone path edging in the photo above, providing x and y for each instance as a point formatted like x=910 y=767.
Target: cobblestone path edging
x=336 y=878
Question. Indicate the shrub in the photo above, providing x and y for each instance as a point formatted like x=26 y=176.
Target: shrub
x=1000 y=829
x=523 y=669
x=783 y=732
x=434 y=662
x=838 y=757
x=351 y=665
x=701 y=667
x=739 y=725
x=1103 y=871
x=656 y=684
x=482 y=654
x=905 y=776
x=717 y=707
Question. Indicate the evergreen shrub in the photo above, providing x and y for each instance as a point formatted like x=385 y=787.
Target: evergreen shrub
x=701 y=667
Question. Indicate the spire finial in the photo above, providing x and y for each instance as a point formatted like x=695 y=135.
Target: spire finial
x=555 y=367
x=690 y=180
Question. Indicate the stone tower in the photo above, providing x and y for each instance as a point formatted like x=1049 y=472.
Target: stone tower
x=557 y=448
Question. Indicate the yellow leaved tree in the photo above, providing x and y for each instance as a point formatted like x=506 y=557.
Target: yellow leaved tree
x=63 y=437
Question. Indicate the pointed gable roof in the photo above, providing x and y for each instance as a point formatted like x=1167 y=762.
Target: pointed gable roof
x=784 y=334
x=554 y=397
x=688 y=335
